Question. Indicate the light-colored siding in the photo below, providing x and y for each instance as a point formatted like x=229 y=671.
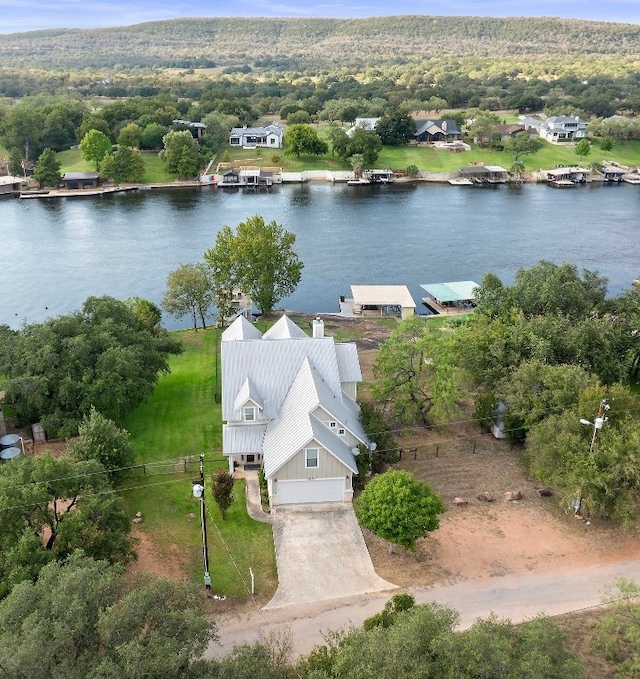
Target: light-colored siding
x=328 y=467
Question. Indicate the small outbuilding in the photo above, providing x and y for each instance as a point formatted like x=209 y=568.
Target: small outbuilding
x=388 y=300
x=10 y=185
x=78 y=181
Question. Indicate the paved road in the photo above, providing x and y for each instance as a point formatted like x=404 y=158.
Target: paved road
x=514 y=597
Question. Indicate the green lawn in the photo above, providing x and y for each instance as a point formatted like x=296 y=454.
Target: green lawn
x=430 y=160
x=182 y=420
x=155 y=171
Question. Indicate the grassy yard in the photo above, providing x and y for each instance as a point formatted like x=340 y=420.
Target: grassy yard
x=182 y=420
x=155 y=171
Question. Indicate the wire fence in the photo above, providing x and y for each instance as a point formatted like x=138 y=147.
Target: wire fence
x=184 y=465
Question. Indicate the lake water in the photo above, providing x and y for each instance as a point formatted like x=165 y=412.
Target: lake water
x=54 y=253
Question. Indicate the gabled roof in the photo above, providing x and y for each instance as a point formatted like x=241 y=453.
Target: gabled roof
x=285 y=328
x=296 y=426
x=241 y=329
x=443 y=125
x=272 y=361
x=248 y=392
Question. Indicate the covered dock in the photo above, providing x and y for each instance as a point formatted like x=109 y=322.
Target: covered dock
x=379 y=300
x=457 y=297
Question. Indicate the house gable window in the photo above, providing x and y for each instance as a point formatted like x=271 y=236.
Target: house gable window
x=249 y=414
x=311 y=458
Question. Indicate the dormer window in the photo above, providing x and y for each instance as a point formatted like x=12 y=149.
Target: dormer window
x=249 y=414
x=333 y=425
x=341 y=431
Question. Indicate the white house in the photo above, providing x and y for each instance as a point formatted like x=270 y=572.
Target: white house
x=289 y=406
x=270 y=136
x=368 y=124
x=563 y=128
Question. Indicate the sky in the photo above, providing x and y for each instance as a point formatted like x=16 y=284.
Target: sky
x=29 y=15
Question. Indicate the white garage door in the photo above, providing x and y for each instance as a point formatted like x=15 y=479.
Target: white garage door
x=311 y=490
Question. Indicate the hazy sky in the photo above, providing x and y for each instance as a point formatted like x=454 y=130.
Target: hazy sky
x=28 y=15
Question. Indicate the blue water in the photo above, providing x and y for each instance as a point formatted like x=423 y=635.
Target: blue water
x=54 y=253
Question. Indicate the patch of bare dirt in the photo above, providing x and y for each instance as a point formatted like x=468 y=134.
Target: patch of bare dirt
x=169 y=563
x=484 y=540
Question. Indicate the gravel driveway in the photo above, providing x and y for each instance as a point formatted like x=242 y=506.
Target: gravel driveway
x=321 y=555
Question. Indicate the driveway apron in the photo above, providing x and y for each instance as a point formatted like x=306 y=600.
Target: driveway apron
x=321 y=555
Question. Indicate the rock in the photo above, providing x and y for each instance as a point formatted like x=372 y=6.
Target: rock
x=459 y=502
x=191 y=516
x=138 y=515
x=512 y=495
x=485 y=497
x=138 y=519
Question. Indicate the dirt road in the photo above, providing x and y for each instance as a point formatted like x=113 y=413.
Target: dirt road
x=513 y=597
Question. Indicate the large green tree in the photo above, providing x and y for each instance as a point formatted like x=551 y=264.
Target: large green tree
x=130 y=136
x=95 y=145
x=122 y=165
x=395 y=128
x=258 y=259
x=304 y=140
x=99 y=439
x=180 y=153
x=81 y=620
x=100 y=356
x=47 y=169
x=399 y=508
x=365 y=142
x=618 y=634
x=601 y=472
x=417 y=374
x=523 y=144
x=190 y=291
x=422 y=642
x=49 y=507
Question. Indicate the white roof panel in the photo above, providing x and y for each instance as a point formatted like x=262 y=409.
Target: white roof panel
x=382 y=295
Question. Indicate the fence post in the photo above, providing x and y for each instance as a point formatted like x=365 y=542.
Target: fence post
x=144 y=469
x=415 y=453
x=400 y=455
x=437 y=451
x=474 y=448
x=184 y=464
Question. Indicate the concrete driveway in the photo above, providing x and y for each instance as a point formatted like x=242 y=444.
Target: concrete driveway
x=321 y=555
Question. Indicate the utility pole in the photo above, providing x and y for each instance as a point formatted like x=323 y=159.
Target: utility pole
x=597 y=423
x=198 y=492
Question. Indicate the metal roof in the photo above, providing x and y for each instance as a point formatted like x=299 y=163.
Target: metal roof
x=79 y=175
x=382 y=295
x=457 y=291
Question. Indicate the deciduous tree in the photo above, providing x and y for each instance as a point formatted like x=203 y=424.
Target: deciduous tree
x=95 y=145
x=190 y=291
x=99 y=439
x=80 y=620
x=130 y=136
x=304 y=140
x=222 y=489
x=418 y=376
x=522 y=144
x=258 y=259
x=122 y=165
x=399 y=508
x=180 y=153
x=101 y=355
x=56 y=507
x=395 y=128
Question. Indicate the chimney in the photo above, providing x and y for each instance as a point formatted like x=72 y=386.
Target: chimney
x=318 y=328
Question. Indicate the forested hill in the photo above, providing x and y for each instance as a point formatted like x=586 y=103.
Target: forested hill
x=300 y=43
